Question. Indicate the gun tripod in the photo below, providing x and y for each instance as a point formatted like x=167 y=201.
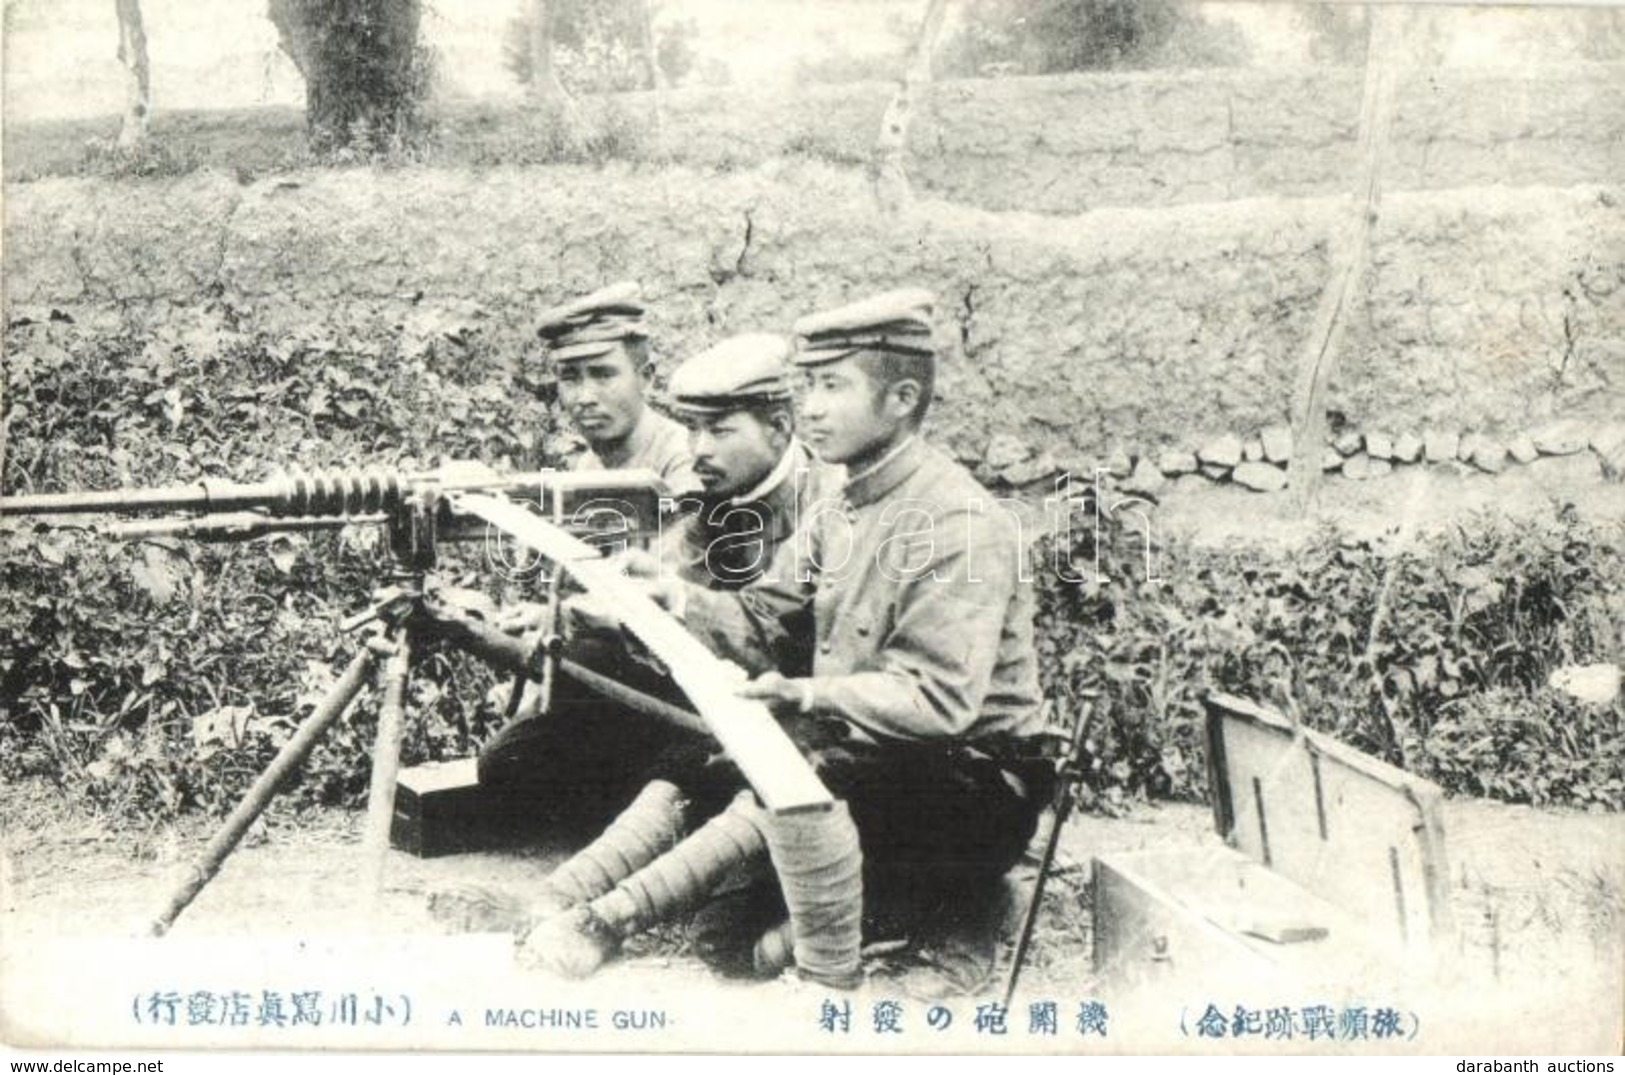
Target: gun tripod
x=409 y=622
x=398 y=611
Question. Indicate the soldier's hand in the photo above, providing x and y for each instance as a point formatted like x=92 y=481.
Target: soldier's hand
x=585 y=614
x=656 y=582
x=778 y=693
x=638 y=564
x=522 y=618
x=445 y=602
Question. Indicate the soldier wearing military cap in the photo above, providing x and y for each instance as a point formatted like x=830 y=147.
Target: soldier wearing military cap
x=599 y=347
x=576 y=766
x=756 y=478
x=755 y=475
x=921 y=708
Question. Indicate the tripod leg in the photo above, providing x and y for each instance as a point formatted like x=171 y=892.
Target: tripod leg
x=260 y=795
x=386 y=765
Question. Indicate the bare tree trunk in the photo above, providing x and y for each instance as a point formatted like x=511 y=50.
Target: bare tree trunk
x=544 y=73
x=358 y=59
x=651 y=56
x=1349 y=254
x=889 y=174
x=132 y=53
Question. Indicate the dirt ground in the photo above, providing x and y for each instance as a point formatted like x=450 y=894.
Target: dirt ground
x=1538 y=896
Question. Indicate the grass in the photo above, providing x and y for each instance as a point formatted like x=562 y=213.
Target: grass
x=253 y=142
x=833 y=126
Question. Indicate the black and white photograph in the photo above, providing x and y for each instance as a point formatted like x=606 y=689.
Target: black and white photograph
x=887 y=527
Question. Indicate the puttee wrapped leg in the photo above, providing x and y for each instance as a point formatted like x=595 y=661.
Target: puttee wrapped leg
x=579 y=941
x=642 y=832
x=650 y=825
x=820 y=868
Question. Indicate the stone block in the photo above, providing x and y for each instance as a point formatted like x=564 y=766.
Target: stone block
x=1563 y=437
x=1260 y=477
x=1040 y=467
x=1441 y=445
x=1277 y=443
x=1225 y=451
x=1567 y=469
x=1175 y=462
x=1146 y=479
x=1005 y=450
x=1489 y=455
x=1522 y=449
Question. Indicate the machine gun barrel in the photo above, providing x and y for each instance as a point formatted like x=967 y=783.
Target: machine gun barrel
x=351 y=492
x=173 y=498
x=346 y=491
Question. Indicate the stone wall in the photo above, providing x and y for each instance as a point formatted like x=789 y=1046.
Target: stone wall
x=1488 y=309
x=1071 y=143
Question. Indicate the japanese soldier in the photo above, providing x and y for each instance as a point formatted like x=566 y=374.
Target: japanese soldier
x=921 y=705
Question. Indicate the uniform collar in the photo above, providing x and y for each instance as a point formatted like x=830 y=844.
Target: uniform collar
x=776 y=478
x=776 y=493
x=891 y=470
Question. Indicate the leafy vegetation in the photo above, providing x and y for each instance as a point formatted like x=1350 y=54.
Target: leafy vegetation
x=1042 y=37
x=603 y=47
x=158 y=676
x=1435 y=656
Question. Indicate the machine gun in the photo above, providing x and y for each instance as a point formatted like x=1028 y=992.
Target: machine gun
x=566 y=518
x=602 y=507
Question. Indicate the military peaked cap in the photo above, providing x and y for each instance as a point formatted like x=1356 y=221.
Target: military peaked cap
x=741 y=371
x=896 y=321
x=594 y=324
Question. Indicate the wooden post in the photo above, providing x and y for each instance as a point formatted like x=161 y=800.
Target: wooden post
x=890 y=176
x=1349 y=253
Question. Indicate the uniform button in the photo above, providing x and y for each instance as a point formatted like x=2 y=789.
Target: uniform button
x=826 y=647
x=863 y=631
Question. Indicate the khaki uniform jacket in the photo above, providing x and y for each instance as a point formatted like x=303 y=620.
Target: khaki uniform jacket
x=920 y=612
x=656 y=443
